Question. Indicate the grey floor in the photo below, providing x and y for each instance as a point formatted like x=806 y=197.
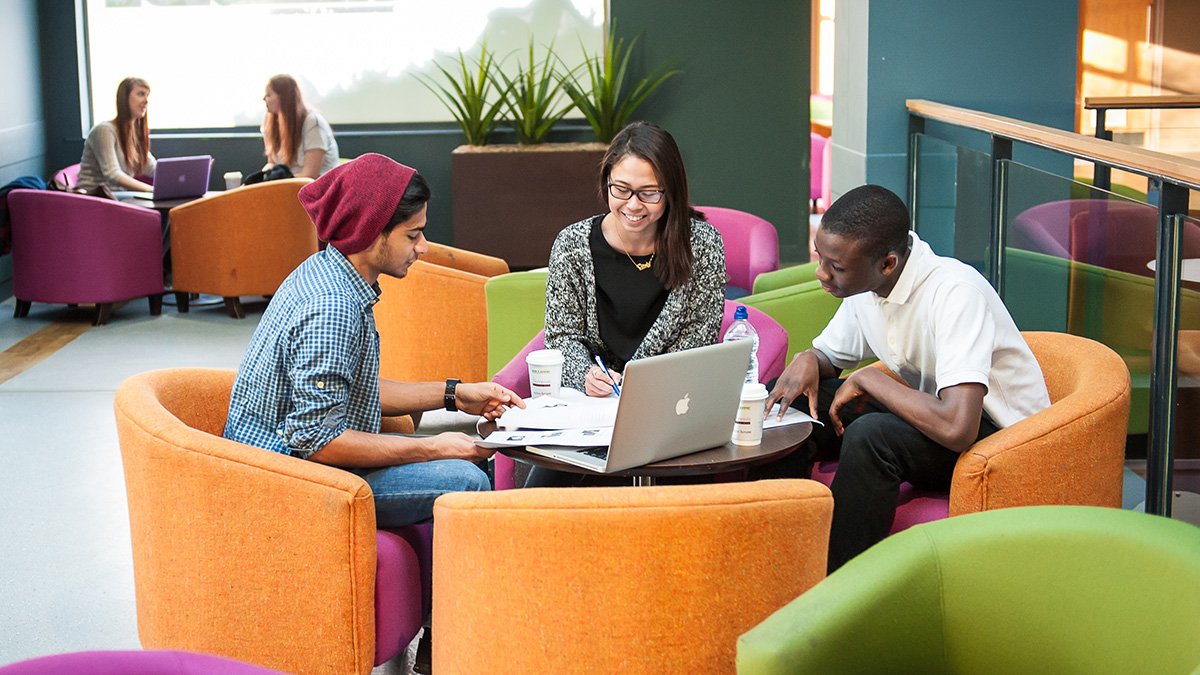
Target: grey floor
x=66 y=578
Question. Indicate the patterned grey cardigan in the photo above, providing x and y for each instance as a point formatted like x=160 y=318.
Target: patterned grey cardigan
x=690 y=317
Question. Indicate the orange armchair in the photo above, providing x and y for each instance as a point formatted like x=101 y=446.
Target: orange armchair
x=619 y=580
x=251 y=554
x=240 y=242
x=1070 y=453
x=433 y=323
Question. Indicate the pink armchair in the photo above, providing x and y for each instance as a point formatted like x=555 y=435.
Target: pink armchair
x=751 y=244
x=772 y=352
x=72 y=249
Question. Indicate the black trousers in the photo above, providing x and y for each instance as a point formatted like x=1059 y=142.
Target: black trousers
x=877 y=453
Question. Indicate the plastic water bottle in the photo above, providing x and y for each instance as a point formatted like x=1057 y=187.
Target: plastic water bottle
x=741 y=329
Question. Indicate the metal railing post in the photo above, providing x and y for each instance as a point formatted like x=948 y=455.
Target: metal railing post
x=1101 y=173
x=916 y=125
x=1001 y=151
x=1172 y=210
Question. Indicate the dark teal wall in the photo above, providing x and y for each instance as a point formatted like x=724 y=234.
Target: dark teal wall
x=22 y=122
x=739 y=110
x=1015 y=58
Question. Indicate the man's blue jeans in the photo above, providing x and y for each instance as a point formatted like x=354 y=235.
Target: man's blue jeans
x=404 y=494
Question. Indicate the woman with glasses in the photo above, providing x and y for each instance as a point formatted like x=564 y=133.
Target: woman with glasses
x=645 y=278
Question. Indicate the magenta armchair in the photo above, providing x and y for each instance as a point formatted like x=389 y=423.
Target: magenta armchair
x=75 y=250
x=130 y=662
x=751 y=244
x=1113 y=233
x=817 y=168
x=772 y=352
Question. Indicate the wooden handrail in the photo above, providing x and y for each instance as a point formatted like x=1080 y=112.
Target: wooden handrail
x=1141 y=102
x=1127 y=158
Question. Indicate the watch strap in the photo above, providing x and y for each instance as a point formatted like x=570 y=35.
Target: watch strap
x=448 y=399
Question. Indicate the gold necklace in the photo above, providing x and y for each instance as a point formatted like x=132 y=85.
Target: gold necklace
x=641 y=267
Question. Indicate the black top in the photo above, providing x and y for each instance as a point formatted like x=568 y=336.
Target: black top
x=628 y=300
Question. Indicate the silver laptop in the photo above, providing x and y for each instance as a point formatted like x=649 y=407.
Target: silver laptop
x=180 y=177
x=671 y=405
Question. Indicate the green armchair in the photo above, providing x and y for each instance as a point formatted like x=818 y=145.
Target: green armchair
x=516 y=311
x=802 y=308
x=1046 y=589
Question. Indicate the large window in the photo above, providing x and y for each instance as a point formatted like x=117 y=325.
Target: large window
x=208 y=61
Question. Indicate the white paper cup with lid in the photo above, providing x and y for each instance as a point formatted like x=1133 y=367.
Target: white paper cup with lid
x=748 y=425
x=545 y=372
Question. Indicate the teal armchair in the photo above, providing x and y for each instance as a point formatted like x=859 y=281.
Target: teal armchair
x=1041 y=589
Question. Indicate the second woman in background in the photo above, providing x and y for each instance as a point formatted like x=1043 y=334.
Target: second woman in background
x=293 y=135
x=117 y=151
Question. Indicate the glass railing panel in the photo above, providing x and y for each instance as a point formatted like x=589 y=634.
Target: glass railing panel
x=953 y=201
x=1186 y=468
x=1077 y=261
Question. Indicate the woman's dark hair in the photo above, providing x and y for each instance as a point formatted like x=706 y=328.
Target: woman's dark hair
x=652 y=143
x=281 y=130
x=873 y=215
x=133 y=133
x=416 y=195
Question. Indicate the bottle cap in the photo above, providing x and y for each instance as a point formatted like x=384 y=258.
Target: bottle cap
x=740 y=313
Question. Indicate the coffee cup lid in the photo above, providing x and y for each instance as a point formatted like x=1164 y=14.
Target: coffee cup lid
x=544 y=357
x=754 y=391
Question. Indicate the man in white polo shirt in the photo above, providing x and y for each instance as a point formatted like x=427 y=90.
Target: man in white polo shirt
x=935 y=323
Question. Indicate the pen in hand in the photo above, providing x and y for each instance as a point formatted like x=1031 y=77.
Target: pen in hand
x=616 y=389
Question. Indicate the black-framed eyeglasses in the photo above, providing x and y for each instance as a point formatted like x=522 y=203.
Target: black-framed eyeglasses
x=644 y=196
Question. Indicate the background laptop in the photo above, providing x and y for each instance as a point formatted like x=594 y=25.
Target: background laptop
x=671 y=405
x=180 y=177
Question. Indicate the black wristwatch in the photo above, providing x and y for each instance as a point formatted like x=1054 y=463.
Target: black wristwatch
x=448 y=400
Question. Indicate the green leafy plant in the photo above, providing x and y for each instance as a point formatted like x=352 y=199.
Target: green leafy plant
x=474 y=94
x=604 y=97
x=533 y=93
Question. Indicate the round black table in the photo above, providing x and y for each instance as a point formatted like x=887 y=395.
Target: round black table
x=777 y=442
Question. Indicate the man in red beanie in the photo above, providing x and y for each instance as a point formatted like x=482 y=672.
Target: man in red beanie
x=309 y=384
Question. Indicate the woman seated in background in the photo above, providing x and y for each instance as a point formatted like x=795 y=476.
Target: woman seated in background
x=293 y=135
x=646 y=278
x=118 y=150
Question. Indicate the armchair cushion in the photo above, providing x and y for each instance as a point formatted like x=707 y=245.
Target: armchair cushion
x=74 y=249
x=247 y=553
x=1037 y=589
x=432 y=325
x=516 y=311
x=620 y=580
x=751 y=243
x=241 y=242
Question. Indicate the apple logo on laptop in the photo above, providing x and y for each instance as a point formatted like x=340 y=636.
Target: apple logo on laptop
x=182 y=178
x=681 y=407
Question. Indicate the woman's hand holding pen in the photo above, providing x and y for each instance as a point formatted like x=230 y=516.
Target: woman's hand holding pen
x=598 y=383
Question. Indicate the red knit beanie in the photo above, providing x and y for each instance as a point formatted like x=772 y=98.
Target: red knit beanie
x=352 y=203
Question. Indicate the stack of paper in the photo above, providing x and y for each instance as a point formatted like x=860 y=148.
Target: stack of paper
x=575 y=420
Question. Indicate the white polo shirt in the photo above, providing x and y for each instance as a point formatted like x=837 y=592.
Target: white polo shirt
x=941 y=325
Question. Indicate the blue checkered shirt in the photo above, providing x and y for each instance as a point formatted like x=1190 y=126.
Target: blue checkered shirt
x=312 y=368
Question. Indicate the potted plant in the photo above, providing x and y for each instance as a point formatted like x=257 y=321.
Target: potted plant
x=511 y=200
x=604 y=99
x=474 y=95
